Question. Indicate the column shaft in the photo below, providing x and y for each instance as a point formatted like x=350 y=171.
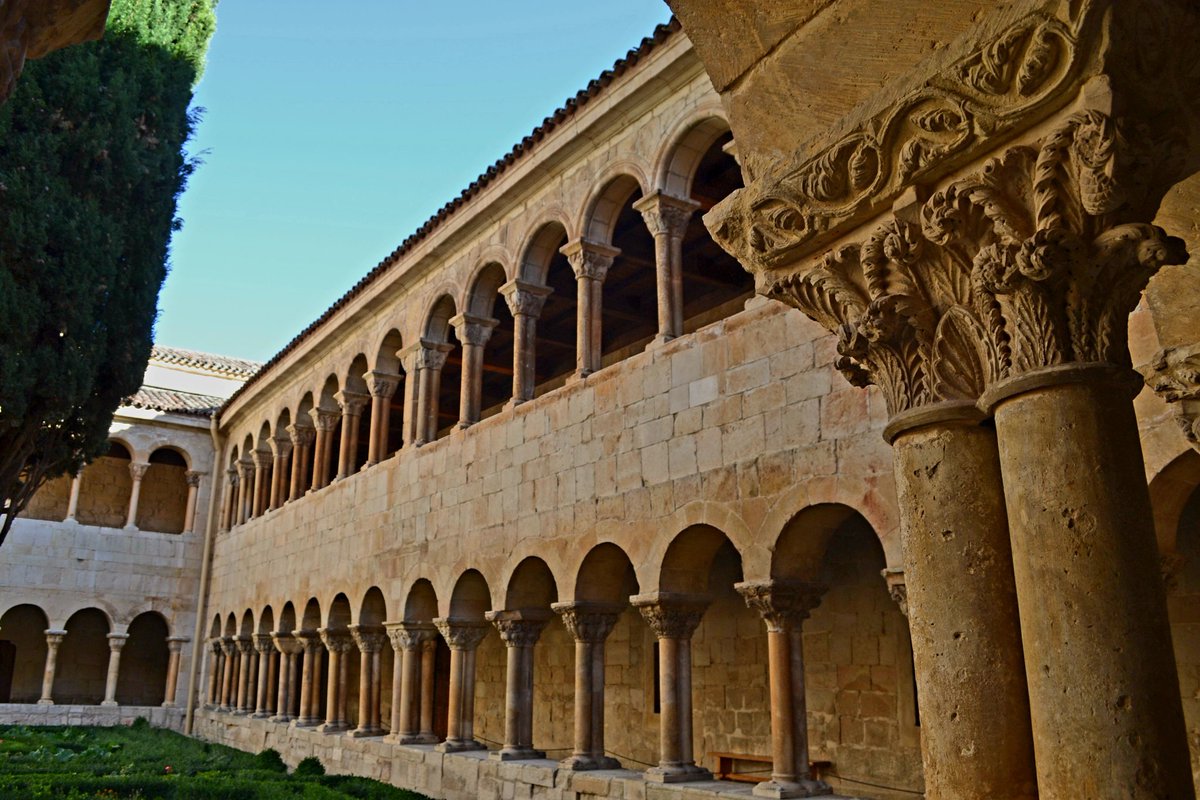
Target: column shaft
x=138 y=471
x=73 y=502
x=116 y=641
x=53 y=640
x=428 y=663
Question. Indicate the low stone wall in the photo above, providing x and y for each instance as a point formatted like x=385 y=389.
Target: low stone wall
x=104 y=716
x=457 y=776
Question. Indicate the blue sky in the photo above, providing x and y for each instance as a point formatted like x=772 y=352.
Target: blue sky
x=332 y=131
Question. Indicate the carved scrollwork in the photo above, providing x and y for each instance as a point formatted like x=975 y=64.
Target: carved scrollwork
x=1174 y=375
x=783 y=605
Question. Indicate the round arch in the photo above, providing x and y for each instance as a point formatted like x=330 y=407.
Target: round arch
x=83 y=659
x=142 y=679
x=22 y=653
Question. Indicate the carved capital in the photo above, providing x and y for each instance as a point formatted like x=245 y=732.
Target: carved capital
x=351 y=403
x=473 y=330
x=309 y=640
x=1171 y=565
x=229 y=645
x=410 y=635
x=192 y=478
x=671 y=615
x=234 y=478
x=587 y=621
x=286 y=643
x=525 y=298
x=137 y=470
x=54 y=638
x=324 y=419
x=381 y=384
x=281 y=445
x=588 y=259
x=1174 y=375
x=336 y=640
x=216 y=646
x=246 y=465
x=428 y=354
x=244 y=644
x=263 y=459
x=369 y=638
x=462 y=634
x=175 y=643
x=301 y=435
x=782 y=604
x=666 y=215
x=116 y=641
x=897 y=588
x=519 y=628
x=263 y=643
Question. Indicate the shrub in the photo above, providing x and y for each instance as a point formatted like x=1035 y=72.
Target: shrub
x=310 y=767
x=270 y=760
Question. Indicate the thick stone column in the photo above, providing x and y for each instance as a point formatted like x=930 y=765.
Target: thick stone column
x=352 y=405
x=245 y=489
x=137 y=471
x=525 y=301
x=667 y=218
x=245 y=690
x=674 y=616
x=325 y=421
x=590 y=262
x=428 y=669
x=288 y=649
x=382 y=387
x=174 y=648
x=310 y=703
x=589 y=623
x=473 y=332
x=338 y=643
x=281 y=452
x=116 y=641
x=214 y=673
x=193 y=483
x=262 y=463
x=302 y=438
x=228 y=668
x=463 y=637
x=519 y=630
x=54 y=638
x=784 y=605
x=370 y=640
x=407 y=700
x=263 y=647
x=73 y=501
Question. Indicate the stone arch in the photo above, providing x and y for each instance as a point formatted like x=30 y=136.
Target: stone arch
x=605 y=205
x=1170 y=491
x=541 y=248
x=388 y=366
x=421 y=605
x=686 y=148
x=303 y=419
x=287 y=618
x=471 y=598
x=485 y=301
x=554 y=334
x=373 y=609
x=143 y=675
x=312 y=619
x=606 y=575
x=360 y=439
x=531 y=585
x=22 y=653
x=247 y=626
x=214 y=630
x=339 y=612
x=83 y=659
x=801 y=545
x=443 y=413
x=231 y=625
x=689 y=562
x=266 y=620
x=105 y=486
x=162 y=505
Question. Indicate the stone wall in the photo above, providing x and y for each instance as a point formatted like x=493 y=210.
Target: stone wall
x=104 y=493
x=102 y=716
x=51 y=501
x=163 y=499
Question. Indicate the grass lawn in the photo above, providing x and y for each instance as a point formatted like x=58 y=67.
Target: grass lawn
x=143 y=762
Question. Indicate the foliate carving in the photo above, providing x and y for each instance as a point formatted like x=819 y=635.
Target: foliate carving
x=337 y=640
x=590 y=260
x=324 y=419
x=301 y=435
x=263 y=643
x=137 y=470
x=215 y=645
x=525 y=298
x=381 y=384
x=369 y=638
x=461 y=634
x=1175 y=375
x=262 y=459
x=897 y=587
x=55 y=638
x=229 y=646
x=588 y=622
x=923 y=135
x=431 y=355
x=244 y=644
x=309 y=640
x=518 y=629
x=409 y=635
x=352 y=403
x=234 y=478
x=666 y=215
x=783 y=605
x=472 y=330
x=671 y=615
x=286 y=643
x=192 y=478
x=247 y=468
x=281 y=445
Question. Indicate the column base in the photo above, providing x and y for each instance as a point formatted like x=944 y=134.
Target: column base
x=459 y=746
x=108 y=703
x=366 y=733
x=516 y=754
x=242 y=712
x=660 y=339
x=168 y=704
x=221 y=709
x=260 y=714
x=586 y=763
x=45 y=702
x=284 y=718
x=130 y=528
x=801 y=788
x=677 y=773
x=333 y=727
x=305 y=723
x=411 y=738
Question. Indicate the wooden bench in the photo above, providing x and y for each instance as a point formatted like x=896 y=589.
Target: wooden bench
x=727 y=761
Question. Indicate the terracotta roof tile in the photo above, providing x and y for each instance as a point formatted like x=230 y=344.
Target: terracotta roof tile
x=176 y=402
x=226 y=366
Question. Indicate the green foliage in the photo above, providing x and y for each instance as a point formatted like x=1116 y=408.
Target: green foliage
x=270 y=761
x=91 y=165
x=310 y=766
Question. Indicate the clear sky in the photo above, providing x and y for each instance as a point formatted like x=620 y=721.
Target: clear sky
x=333 y=130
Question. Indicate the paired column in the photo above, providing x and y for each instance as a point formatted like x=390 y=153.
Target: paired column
x=137 y=471
x=525 y=301
x=674 y=616
x=229 y=512
x=382 y=387
x=590 y=624
x=54 y=638
x=174 y=648
x=338 y=643
x=352 y=405
x=281 y=452
x=228 y=669
x=302 y=438
x=216 y=665
x=428 y=359
x=463 y=638
x=246 y=672
x=192 y=477
x=370 y=640
x=288 y=648
x=519 y=630
x=324 y=423
x=667 y=218
x=116 y=641
x=784 y=605
x=73 y=501
x=412 y=712
x=473 y=332
x=590 y=262
x=310 y=695
x=245 y=489
x=265 y=648
x=262 y=464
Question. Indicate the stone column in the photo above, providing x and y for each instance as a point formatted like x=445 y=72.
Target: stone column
x=428 y=358
x=310 y=641
x=174 y=648
x=324 y=423
x=674 y=616
x=301 y=437
x=54 y=638
x=408 y=704
x=115 y=642
x=137 y=471
x=228 y=667
x=473 y=332
x=281 y=451
x=525 y=301
x=463 y=637
x=519 y=630
x=784 y=605
x=245 y=696
x=352 y=405
x=262 y=462
x=73 y=502
x=667 y=218
x=228 y=516
x=288 y=648
x=382 y=387
x=212 y=698
x=264 y=647
x=428 y=668
x=193 y=483
x=590 y=262
x=370 y=640
x=589 y=623
x=338 y=643
x=245 y=489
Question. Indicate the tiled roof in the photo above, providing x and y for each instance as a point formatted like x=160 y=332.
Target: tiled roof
x=220 y=365
x=594 y=88
x=176 y=402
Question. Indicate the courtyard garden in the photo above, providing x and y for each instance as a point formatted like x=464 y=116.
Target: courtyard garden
x=140 y=762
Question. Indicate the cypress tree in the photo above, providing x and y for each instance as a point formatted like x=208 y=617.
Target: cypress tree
x=91 y=166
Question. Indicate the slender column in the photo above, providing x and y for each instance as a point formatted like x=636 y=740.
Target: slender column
x=54 y=638
x=214 y=673
x=174 y=648
x=428 y=358
x=408 y=703
x=324 y=421
x=473 y=332
x=382 y=387
x=228 y=664
x=410 y=358
x=262 y=462
x=264 y=647
x=338 y=642
x=288 y=648
x=228 y=515
x=589 y=623
x=463 y=637
x=73 y=502
x=311 y=673
x=667 y=218
x=301 y=437
x=519 y=630
x=674 y=617
x=352 y=405
x=369 y=639
x=137 y=471
x=525 y=301
x=281 y=451
x=245 y=489
x=192 y=477
x=590 y=262
x=245 y=646
x=428 y=667
x=115 y=642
